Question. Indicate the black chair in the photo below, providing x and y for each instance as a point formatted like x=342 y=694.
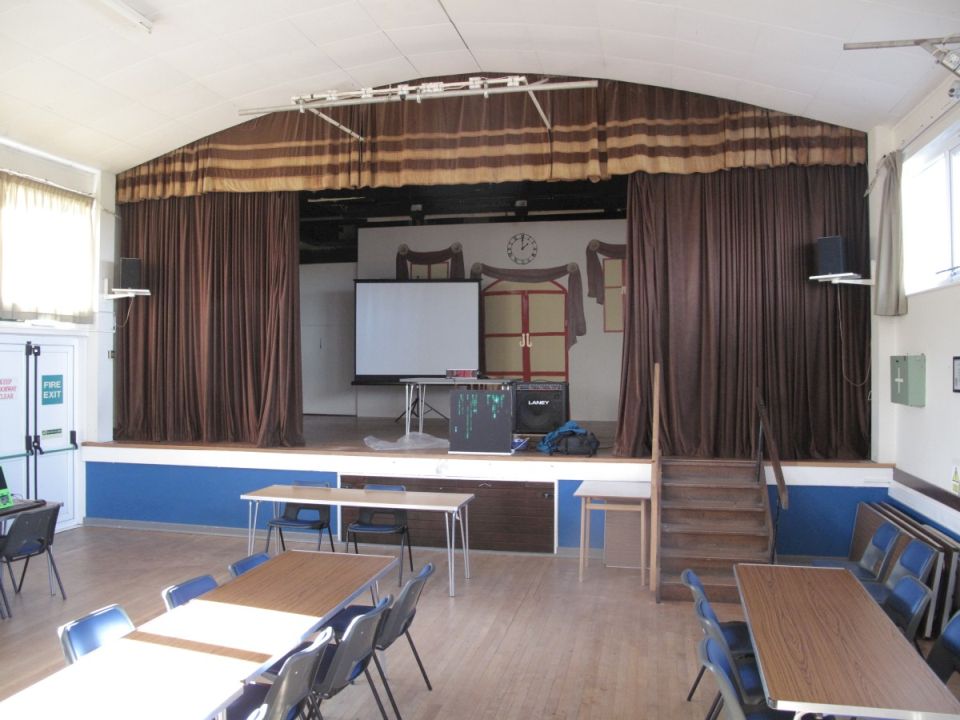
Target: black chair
x=182 y=593
x=296 y=516
x=382 y=521
x=31 y=534
x=906 y=604
x=735 y=632
x=944 y=657
x=344 y=662
x=397 y=622
x=288 y=696
x=915 y=561
x=873 y=562
x=86 y=634
x=246 y=564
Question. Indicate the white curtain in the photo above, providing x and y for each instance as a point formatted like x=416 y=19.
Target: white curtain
x=47 y=250
x=891 y=299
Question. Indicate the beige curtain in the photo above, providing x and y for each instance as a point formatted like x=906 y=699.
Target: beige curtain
x=47 y=266
x=891 y=299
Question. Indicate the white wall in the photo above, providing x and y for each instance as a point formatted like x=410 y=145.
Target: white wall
x=924 y=442
x=594 y=361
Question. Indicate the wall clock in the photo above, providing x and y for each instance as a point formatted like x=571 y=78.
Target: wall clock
x=521 y=248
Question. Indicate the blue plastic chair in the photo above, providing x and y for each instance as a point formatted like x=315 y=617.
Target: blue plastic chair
x=289 y=695
x=397 y=622
x=745 y=673
x=344 y=662
x=247 y=564
x=915 y=561
x=906 y=604
x=86 y=634
x=716 y=660
x=383 y=521
x=735 y=632
x=297 y=516
x=944 y=657
x=873 y=562
x=182 y=593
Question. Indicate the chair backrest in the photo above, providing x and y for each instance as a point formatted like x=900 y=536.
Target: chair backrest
x=368 y=516
x=711 y=628
x=248 y=563
x=31 y=532
x=689 y=578
x=718 y=663
x=944 y=657
x=295 y=681
x=916 y=560
x=86 y=634
x=404 y=608
x=906 y=603
x=353 y=652
x=182 y=593
x=879 y=549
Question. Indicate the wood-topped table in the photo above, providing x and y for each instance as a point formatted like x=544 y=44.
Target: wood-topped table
x=612 y=496
x=453 y=505
x=824 y=646
x=191 y=662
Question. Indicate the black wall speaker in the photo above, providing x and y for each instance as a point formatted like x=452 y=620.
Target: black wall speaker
x=831 y=256
x=541 y=407
x=130 y=274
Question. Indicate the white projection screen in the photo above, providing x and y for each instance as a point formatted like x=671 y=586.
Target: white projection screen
x=416 y=328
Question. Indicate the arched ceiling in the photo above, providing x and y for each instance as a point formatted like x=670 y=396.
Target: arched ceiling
x=79 y=81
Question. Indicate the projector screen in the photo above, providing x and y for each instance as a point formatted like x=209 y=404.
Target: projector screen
x=416 y=328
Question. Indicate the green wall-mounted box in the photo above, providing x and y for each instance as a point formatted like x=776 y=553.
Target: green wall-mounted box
x=908 y=379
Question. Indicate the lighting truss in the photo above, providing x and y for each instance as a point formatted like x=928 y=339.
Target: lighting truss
x=481 y=86
x=938 y=47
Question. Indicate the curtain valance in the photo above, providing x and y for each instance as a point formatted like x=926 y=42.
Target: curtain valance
x=616 y=128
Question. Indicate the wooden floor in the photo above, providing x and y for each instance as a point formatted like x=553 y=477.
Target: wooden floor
x=522 y=638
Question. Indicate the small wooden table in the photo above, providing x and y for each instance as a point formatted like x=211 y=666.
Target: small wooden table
x=615 y=497
x=453 y=505
x=824 y=646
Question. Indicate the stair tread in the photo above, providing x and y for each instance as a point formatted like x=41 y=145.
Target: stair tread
x=711 y=482
x=710 y=529
x=697 y=504
x=739 y=554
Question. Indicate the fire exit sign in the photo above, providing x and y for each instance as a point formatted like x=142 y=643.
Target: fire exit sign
x=51 y=389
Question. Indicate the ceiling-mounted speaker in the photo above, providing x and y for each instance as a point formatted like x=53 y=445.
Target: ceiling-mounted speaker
x=130 y=277
x=541 y=407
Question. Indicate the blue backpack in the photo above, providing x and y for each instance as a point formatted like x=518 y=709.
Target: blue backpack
x=569 y=439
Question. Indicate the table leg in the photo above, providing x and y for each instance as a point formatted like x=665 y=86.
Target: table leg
x=408 y=394
x=586 y=556
x=451 y=539
x=465 y=538
x=583 y=533
x=422 y=404
x=643 y=542
x=252 y=512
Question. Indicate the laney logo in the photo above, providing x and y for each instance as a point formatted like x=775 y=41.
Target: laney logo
x=538 y=402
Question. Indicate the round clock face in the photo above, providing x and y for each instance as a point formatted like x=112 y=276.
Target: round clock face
x=521 y=248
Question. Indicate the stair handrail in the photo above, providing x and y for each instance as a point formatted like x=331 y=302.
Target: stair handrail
x=766 y=437
x=655 y=487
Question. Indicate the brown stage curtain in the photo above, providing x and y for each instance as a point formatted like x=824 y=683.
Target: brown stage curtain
x=616 y=129
x=405 y=256
x=717 y=268
x=213 y=355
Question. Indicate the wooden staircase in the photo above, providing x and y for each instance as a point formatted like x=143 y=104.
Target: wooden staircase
x=713 y=514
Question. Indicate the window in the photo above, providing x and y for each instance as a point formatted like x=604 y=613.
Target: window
x=931 y=214
x=46 y=251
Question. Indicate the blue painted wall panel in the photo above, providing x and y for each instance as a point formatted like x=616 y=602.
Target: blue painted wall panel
x=189 y=495
x=568 y=517
x=820 y=519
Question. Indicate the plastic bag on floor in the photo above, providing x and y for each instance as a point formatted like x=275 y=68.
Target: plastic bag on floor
x=410 y=441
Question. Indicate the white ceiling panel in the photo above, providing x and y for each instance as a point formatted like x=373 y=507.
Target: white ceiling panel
x=79 y=80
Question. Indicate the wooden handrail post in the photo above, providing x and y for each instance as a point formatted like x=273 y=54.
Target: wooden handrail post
x=655 y=487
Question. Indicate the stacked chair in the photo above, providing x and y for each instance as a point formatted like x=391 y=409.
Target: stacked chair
x=915 y=561
x=944 y=657
x=873 y=562
x=906 y=604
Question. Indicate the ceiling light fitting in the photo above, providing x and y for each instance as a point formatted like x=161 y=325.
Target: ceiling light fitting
x=481 y=86
x=128 y=14
x=949 y=59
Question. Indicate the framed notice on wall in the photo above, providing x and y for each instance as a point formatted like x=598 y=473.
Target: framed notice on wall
x=956 y=374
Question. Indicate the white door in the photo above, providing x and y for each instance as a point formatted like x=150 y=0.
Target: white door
x=13 y=423
x=326 y=338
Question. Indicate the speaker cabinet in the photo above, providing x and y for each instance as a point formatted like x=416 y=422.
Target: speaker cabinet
x=831 y=256
x=541 y=407
x=130 y=274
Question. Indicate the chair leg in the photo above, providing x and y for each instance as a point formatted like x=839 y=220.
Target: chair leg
x=693 y=688
x=419 y=663
x=266 y=547
x=5 y=611
x=400 y=564
x=13 y=579
x=409 y=548
x=53 y=566
x=283 y=544
x=715 y=707
x=386 y=685
x=23 y=573
x=356 y=549
x=330 y=533
x=376 y=695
